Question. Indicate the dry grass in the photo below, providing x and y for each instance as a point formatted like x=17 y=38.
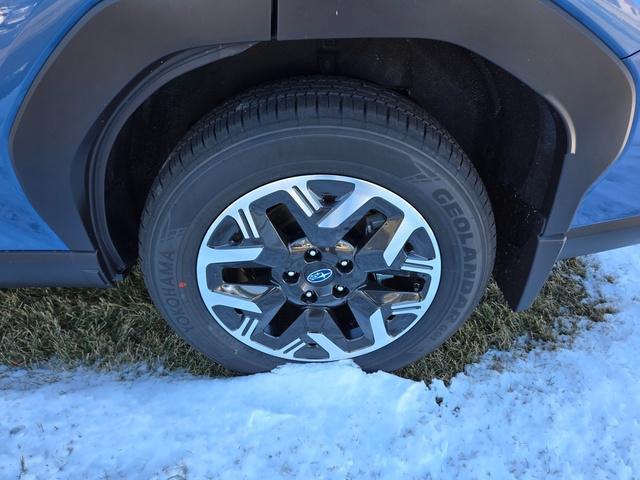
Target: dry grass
x=110 y=328
x=494 y=325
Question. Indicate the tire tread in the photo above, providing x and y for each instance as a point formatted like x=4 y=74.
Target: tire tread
x=302 y=97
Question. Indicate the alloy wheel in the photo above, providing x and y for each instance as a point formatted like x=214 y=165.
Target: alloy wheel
x=318 y=268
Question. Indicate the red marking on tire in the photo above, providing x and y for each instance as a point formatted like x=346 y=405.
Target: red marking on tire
x=182 y=285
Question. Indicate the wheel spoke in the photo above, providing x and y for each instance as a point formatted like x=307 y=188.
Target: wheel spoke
x=247 y=327
x=347 y=207
x=415 y=263
x=396 y=291
x=249 y=333
x=275 y=252
x=333 y=350
x=304 y=197
x=380 y=335
x=227 y=299
x=387 y=249
x=230 y=255
x=388 y=297
x=245 y=296
x=245 y=221
x=270 y=303
x=292 y=347
x=369 y=316
x=371 y=256
x=410 y=223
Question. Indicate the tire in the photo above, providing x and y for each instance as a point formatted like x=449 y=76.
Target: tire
x=331 y=136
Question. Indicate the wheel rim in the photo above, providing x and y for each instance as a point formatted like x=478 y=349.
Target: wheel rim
x=318 y=268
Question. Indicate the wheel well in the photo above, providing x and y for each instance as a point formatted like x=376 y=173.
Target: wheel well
x=513 y=136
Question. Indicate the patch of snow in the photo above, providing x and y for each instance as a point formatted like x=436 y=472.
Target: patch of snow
x=571 y=413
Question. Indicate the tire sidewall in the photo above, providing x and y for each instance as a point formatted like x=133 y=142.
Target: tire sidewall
x=219 y=174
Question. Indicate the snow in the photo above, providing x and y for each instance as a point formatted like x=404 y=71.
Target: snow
x=571 y=412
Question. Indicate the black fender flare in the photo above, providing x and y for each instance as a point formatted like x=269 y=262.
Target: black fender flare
x=538 y=43
x=124 y=49
x=119 y=46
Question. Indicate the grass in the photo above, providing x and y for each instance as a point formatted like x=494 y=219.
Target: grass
x=120 y=326
x=493 y=325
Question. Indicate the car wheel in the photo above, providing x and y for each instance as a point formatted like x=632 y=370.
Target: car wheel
x=313 y=220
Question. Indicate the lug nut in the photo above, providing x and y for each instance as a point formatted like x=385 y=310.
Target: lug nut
x=290 y=276
x=309 y=296
x=345 y=266
x=312 y=255
x=340 y=291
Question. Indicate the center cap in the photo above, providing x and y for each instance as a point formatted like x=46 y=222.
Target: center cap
x=320 y=276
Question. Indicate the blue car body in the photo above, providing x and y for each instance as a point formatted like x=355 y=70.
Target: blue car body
x=29 y=32
x=32 y=31
x=616 y=194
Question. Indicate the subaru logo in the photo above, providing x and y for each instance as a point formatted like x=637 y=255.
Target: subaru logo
x=320 y=276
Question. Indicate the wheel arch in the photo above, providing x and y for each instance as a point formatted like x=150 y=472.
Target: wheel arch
x=564 y=63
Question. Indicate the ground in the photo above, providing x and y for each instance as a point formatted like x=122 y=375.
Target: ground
x=568 y=408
